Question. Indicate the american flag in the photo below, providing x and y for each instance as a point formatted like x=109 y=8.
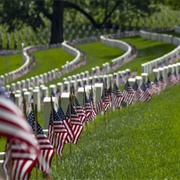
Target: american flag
x=99 y=106
x=88 y=109
x=53 y=94
x=128 y=93
x=117 y=97
x=155 y=87
x=149 y=86
x=46 y=149
x=162 y=83
x=137 y=91
x=18 y=161
x=75 y=123
x=79 y=110
x=92 y=103
x=22 y=148
x=146 y=94
x=171 y=79
x=106 y=100
x=57 y=132
x=70 y=134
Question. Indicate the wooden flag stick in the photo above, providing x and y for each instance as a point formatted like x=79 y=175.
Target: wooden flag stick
x=10 y=160
x=104 y=109
x=93 y=106
x=34 y=109
x=59 y=101
x=84 y=102
x=54 y=134
x=70 y=103
x=59 y=104
x=24 y=106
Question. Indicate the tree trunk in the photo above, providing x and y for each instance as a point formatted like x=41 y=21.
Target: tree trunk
x=57 y=22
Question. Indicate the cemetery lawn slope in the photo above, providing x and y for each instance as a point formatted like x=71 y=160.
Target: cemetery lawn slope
x=147 y=51
x=47 y=60
x=96 y=54
x=10 y=63
x=138 y=142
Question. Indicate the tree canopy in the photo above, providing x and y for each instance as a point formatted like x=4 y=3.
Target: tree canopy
x=100 y=13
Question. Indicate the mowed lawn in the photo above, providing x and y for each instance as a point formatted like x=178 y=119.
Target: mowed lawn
x=10 y=63
x=148 y=50
x=47 y=60
x=139 y=142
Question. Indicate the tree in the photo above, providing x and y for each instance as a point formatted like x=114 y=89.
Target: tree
x=15 y=13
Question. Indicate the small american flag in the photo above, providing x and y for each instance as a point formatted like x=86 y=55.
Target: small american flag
x=149 y=86
x=75 y=123
x=155 y=87
x=171 y=79
x=92 y=103
x=146 y=94
x=137 y=91
x=106 y=100
x=90 y=114
x=117 y=97
x=128 y=93
x=99 y=106
x=162 y=83
x=22 y=148
x=79 y=110
x=46 y=149
x=70 y=134
x=57 y=132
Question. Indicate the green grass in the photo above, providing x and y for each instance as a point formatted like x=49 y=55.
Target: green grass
x=147 y=51
x=96 y=54
x=10 y=63
x=47 y=60
x=139 y=142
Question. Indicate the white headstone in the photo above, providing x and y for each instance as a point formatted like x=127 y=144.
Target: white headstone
x=80 y=95
x=156 y=73
x=60 y=86
x=65 y=101
x=53 y=89
x=13 y=87
x=66 y=86
x=47 y=109
x=18 y=99
x=45 y=91
x=37 y=80
x=98 y=88
x=145 y=77
x=37 y=98
x=139 y=80
x=131 y=81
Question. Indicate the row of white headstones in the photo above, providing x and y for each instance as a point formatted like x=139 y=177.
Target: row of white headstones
x=93 y=81
x=36 y=85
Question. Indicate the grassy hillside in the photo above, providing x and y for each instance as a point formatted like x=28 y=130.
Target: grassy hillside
x=139 y=142
x=10 y=63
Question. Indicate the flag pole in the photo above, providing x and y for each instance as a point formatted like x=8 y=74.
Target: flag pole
x=10 y=160
x=59 y=104
x=104 y=109
x=34 y=109
x=70 y=103
x=54 y=134
x=84 y=102
x=24 y=106
x=111 y=98
x=93 y=106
